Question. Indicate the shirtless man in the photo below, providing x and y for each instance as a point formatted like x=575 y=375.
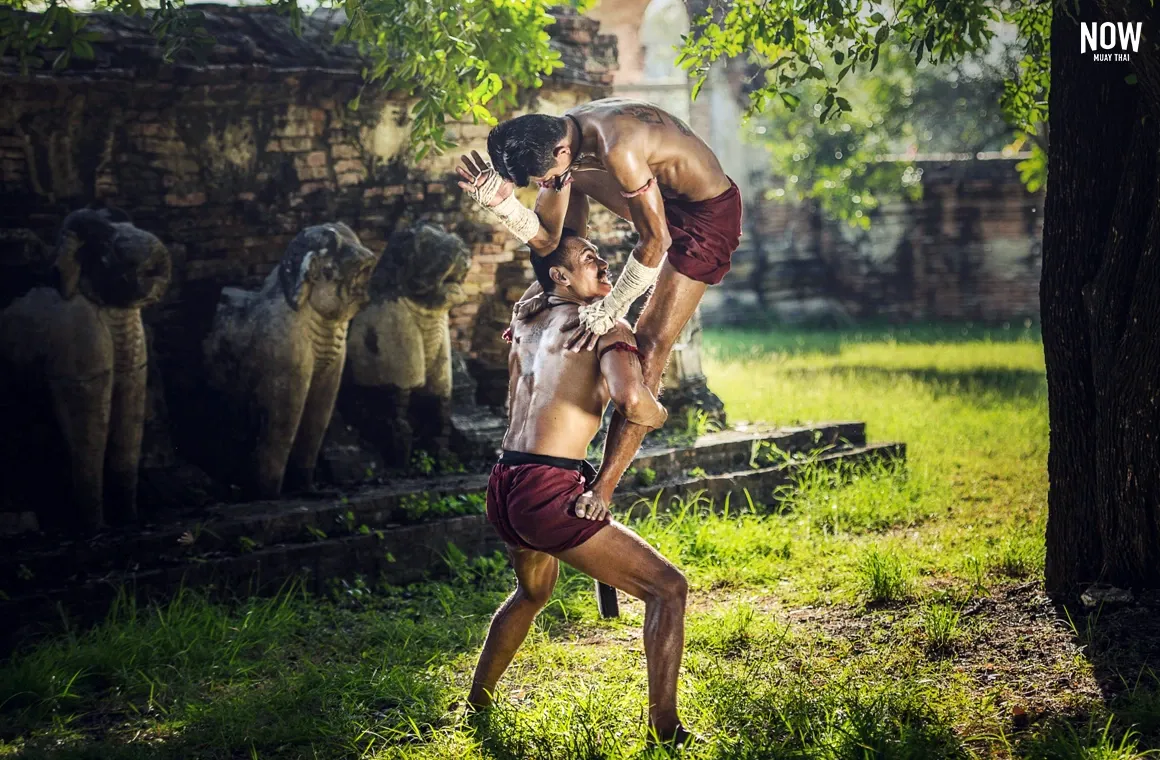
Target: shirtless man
x=556 y=399
x=645 y=166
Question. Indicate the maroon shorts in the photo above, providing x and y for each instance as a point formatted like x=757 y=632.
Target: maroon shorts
x=704 y=234
x=530 y=505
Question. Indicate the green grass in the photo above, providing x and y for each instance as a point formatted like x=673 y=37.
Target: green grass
x=881 y=613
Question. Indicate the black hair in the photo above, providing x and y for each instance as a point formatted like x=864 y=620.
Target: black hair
x=542 y=265
x=524 y=146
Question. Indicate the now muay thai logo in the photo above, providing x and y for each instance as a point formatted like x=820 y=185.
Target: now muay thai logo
x=1101 y=37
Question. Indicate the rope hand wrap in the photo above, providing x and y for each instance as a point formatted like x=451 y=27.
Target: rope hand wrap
x=634 y=280
x=519 y=220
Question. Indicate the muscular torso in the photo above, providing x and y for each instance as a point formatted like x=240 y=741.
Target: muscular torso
x=556 y=397
x=684 y=166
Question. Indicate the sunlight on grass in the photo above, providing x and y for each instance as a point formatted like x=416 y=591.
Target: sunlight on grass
x=846 y=617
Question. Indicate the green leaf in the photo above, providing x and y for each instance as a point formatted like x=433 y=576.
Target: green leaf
x=880 y=35
x=791 y=100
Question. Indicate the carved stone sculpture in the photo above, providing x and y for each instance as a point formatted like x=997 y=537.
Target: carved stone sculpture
x=277 y=354
x=400 y=347
x=85 y=341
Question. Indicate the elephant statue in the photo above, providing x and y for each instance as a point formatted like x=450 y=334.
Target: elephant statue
x=84 y=342
x=276 y=355
x=399 y=384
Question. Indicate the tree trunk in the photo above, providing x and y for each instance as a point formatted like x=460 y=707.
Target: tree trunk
x=1100 y=306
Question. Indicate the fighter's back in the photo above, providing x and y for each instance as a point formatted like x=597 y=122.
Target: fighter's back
x=684 y=164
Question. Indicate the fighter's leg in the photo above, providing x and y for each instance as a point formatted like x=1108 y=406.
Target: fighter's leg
x=620 y=558
x=671 y=306
x=536 y=577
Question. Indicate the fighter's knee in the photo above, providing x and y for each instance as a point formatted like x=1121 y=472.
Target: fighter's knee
x=672 y=586
x=536 y=596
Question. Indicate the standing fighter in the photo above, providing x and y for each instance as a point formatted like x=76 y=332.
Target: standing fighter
x=556 y=399
x=646 y=166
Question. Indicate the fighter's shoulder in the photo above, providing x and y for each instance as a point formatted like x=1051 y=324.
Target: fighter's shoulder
x=621 y=332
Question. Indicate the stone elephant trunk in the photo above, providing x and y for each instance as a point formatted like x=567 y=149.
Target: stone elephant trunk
x=399 y=388
x=277 y=354
x=85 y=340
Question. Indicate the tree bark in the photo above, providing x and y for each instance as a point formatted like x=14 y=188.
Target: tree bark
x=1100 y=306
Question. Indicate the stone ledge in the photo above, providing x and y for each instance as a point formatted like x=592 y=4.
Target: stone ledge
x=399 y=554
x=226 y=529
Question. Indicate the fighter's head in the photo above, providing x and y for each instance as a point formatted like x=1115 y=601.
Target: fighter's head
x=575 y=268
x=530 y=148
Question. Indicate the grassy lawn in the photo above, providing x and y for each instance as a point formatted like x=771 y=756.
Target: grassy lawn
x=891 y=614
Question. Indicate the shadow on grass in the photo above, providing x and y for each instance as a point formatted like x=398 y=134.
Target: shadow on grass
x=978 y=384
x=1122 y=643
x=283 y=677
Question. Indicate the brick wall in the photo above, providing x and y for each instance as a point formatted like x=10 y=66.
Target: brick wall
x=226 y=161
x=969 y=250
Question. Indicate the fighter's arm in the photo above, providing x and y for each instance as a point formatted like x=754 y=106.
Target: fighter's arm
x=620 y=366
x=626 y=163
x=628 y=166
x=552 y=208
x=541 y=228
x=576 y=219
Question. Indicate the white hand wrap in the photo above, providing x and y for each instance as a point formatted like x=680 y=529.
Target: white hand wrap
x=520 y=220
x=634 y=280
x=484 y=193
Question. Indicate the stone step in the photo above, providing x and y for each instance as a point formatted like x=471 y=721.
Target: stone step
x=400 y=553
x=231 y=529
x=759 y=485
x=738 y=448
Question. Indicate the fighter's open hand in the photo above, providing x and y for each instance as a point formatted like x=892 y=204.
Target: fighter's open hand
x=589 y=506
x=594 y=321
x=581 y=338
x=482 y=182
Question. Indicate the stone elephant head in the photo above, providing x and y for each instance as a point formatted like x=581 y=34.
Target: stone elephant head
x=425 y=264
x=104 y=257
x=276 y=355
x=84 y=342
x=401 y=344
x=327 y=267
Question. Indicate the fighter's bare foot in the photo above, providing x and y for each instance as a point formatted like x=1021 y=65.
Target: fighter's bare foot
x=677 y=739
x=462 y=711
